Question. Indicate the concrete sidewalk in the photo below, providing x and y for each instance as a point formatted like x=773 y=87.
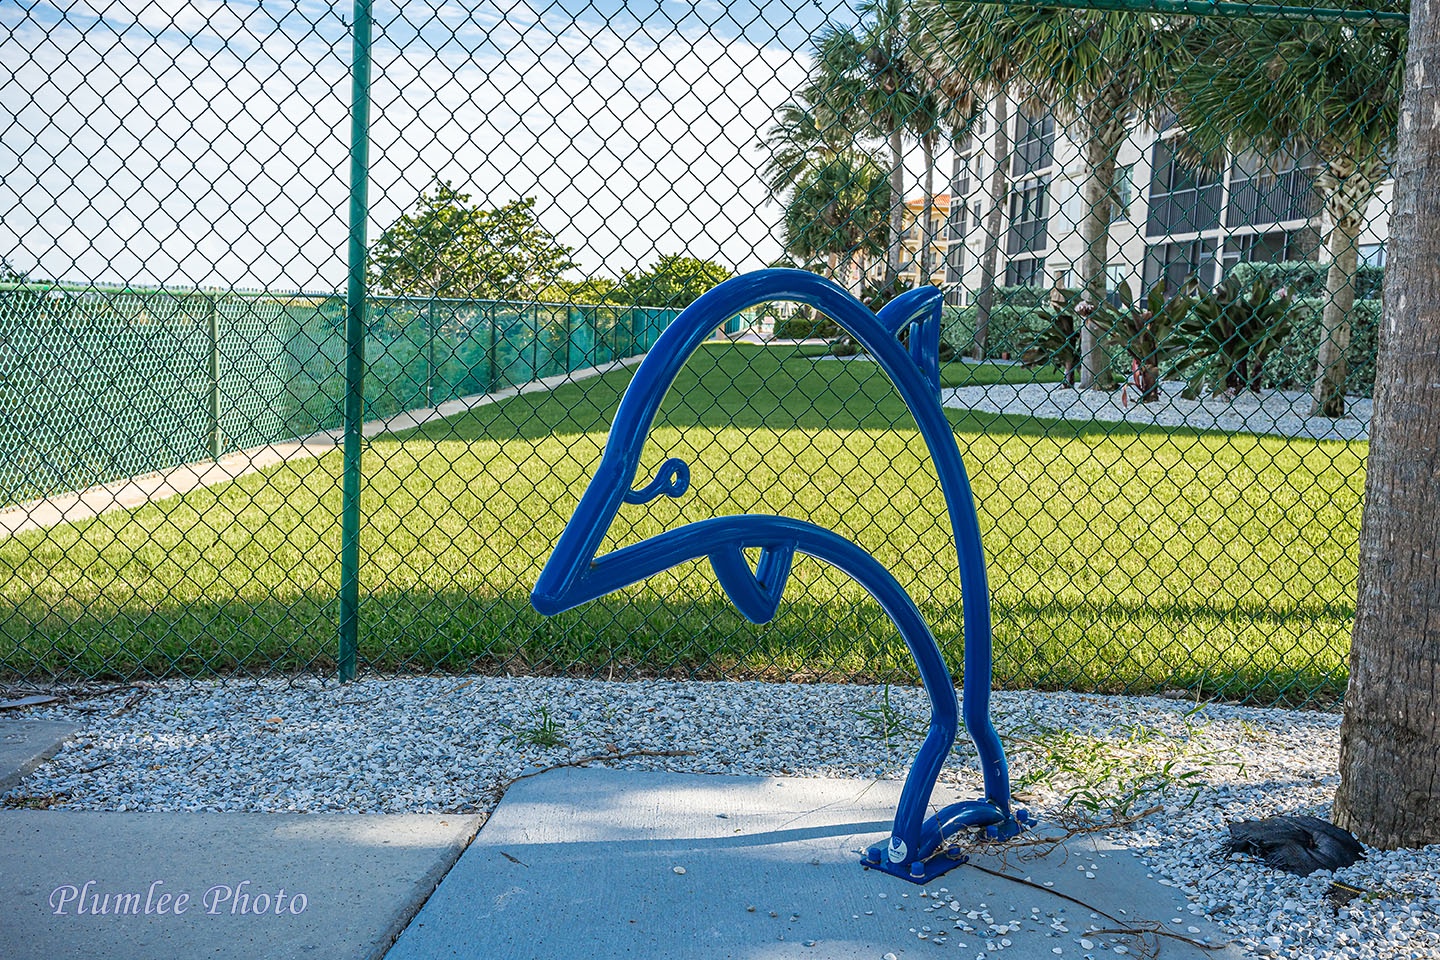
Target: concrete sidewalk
x=83 y=885
x=592 y=863
x=588 y=863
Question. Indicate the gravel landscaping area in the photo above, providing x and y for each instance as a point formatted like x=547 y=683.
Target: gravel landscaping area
x=451 y=745
x=1281 y=413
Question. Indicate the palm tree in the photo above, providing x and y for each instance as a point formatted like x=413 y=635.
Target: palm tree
x=838 y=210
x=802 y=136
x=958 y=109
x=869 y=82
x=1330 y=89
x=988 y=81
x=1095 y=69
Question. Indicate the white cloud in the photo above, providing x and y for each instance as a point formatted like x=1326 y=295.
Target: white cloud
x=204 y=143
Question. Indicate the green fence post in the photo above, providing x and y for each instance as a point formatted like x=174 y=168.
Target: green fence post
x=217 y=446
x=355 y=323
x=429 y=363
x=569 y=336
x=491 y=355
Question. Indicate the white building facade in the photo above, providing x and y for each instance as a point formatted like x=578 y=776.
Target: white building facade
x=1170 y=219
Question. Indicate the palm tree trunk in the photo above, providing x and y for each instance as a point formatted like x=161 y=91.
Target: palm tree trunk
x=1105 y=134
x=986 y=301
x=1348 y=186
x=1389 y=740
x=927 y=235
x=894 y=260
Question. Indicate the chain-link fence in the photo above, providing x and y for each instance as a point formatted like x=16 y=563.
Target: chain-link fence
x=1160 y=230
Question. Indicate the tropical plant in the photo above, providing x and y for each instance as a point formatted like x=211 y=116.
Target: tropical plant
x=1140 y=329
x=1055 y=341
x=802 y=136
x=448 y=247
x=1329 y=89
x=1095 y=69
x=1221 y=344
x=867 y=78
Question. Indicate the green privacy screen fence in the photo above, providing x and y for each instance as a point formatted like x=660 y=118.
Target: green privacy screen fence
x=102 y=385
x=1160 y=230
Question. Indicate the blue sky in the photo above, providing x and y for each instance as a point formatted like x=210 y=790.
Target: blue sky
x=204 y=142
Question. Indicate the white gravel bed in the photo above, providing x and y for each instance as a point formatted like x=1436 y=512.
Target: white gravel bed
x=452 y=744
x=1281 y=413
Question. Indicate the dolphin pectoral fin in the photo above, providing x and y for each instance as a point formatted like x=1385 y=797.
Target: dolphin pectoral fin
x=755 y=593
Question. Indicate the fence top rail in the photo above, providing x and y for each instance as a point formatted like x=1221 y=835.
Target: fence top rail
x=1226 y=8
x=58 y=289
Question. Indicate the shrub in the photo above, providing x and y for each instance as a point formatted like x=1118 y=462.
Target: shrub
x=1305 y=279
x=1292 y=367
x=1226 y=335
x=1008 y=333
x=799 y=326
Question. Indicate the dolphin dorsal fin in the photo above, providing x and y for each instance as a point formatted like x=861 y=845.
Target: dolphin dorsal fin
x=918 y=311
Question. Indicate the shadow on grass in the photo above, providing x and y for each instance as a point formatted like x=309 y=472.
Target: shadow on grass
x=640 y=633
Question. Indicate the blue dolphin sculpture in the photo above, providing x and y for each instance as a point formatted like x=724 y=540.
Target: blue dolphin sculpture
x=574 y=574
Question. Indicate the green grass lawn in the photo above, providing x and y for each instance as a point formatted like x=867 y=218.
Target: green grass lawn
x=1120 y=558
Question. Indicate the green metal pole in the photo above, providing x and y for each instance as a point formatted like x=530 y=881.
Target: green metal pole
x=430 y=362
x=494 y=378
x=217 y=447
x=1222 y=8
x=355 y=324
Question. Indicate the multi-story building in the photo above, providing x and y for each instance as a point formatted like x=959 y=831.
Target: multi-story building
x=1170 y=218
x=922 y=259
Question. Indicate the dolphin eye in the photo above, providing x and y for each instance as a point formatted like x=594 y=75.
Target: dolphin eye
x=672 y=480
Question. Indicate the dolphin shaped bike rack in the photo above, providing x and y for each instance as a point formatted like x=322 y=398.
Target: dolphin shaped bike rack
x=575 y=575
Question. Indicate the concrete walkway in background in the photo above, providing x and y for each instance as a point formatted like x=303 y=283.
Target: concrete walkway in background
x=605 y=864
x=175 y=481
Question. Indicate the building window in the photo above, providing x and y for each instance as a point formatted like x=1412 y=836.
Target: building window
x=1116 y=274
x=1272 y=247
x=1034 y=143
x=1029 y=213
x=1183 y=198
x=1371 y=286
x=1273 y=189
x=1171 y=264
x=1124 y=193
x=1025 y=273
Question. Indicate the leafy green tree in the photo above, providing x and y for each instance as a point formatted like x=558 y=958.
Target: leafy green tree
x=673 y=281
x=591 y=290
x=448 y=247
x=1095 y=69
x=10 y=273
x=1332 y=89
